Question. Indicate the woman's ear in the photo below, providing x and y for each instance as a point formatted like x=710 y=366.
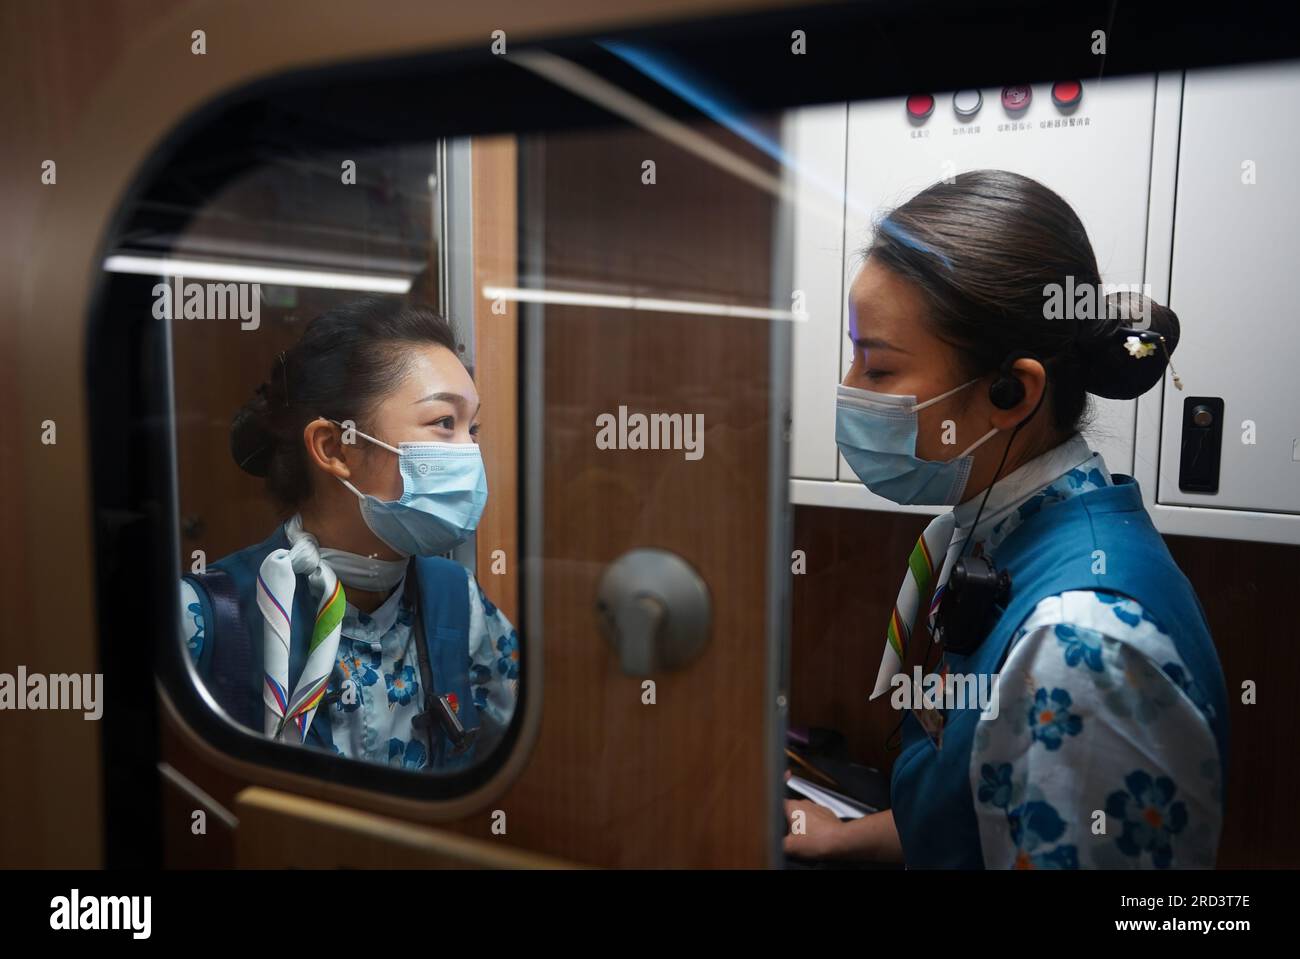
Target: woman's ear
x=1033 y=377
x=326 y=449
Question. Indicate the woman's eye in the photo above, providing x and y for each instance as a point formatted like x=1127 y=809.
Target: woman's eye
x=877 y=375
x=473 y=431
x=446 y=423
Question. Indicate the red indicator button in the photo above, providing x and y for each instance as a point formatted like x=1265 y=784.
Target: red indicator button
x=1016 y=98
x=1067 y=93
x=920 y=106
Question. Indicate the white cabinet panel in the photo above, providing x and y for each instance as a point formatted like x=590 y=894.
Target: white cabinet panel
x=814 y=139
x=1233 y=284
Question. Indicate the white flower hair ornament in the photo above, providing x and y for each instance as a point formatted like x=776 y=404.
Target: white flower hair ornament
x=1137 y=349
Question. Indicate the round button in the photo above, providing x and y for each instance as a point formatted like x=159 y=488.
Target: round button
x=1202 y=416
x=920 y=106
x=967 y=103
x=1067 y=93
x=1016 y=98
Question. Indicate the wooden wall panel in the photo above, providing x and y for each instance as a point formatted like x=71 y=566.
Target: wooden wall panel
x=56 y=54
x=1243 y=588
x=496 y=363
x=277 y=828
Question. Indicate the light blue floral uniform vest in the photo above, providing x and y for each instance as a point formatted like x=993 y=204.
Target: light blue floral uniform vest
x=1101 y=540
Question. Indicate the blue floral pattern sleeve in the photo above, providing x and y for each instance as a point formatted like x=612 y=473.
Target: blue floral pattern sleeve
x=193 y=629
x=1100 y=754
x=493 y=663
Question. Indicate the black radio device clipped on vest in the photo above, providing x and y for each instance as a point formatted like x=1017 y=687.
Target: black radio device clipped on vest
x=975 y=586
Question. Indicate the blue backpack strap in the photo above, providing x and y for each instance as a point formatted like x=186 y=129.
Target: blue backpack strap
x=443 y=589
x=226 y=660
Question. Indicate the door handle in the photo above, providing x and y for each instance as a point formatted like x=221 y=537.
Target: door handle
x=654 y=609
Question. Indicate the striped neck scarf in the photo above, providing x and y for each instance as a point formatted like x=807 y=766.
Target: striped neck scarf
x=276 y=582
x=917 y=586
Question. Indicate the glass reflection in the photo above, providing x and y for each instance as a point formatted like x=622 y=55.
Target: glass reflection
x=332 y=490
x=368 y=641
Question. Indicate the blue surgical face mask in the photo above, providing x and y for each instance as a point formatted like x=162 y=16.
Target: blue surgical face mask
x=444 y=490
x=876 y=433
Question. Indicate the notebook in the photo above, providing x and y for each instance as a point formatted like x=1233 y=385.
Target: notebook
x=838 y=803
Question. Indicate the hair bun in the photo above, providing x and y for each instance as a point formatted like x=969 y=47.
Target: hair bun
x=1132 y=354
x=252 y=442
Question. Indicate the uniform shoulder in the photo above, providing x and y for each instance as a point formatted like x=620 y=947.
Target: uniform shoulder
x=1102 y=631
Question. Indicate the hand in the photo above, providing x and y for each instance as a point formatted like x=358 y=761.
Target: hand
x=822 y=834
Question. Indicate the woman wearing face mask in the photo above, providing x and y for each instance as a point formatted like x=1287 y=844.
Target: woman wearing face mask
x=345 y=630
x=1090 y=729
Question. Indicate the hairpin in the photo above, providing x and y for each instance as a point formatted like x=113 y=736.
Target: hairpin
x=1178 y=382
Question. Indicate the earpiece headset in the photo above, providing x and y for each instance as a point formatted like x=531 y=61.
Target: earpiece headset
x=1006 y=392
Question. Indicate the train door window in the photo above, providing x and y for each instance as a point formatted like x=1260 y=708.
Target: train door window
x=311 y=350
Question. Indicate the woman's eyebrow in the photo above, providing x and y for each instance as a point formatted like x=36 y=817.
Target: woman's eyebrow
x=876 y=343
x=455 y=399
